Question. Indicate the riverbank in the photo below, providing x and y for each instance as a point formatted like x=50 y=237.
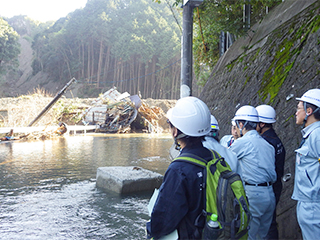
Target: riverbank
x=21 y=111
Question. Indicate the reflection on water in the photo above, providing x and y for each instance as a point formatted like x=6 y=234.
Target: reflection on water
x=47 y=188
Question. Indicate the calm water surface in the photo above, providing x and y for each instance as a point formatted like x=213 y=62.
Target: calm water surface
x=48 y=191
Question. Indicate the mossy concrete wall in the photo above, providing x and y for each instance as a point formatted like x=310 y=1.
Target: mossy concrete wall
x=278 y=61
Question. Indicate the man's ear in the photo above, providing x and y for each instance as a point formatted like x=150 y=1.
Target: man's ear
x=309 y=111
x=174 y=132
x=261 y=125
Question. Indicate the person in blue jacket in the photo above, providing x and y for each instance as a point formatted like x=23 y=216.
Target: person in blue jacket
x=267 y=116
x=257 y=162
x=180 y=200
x=307 y=173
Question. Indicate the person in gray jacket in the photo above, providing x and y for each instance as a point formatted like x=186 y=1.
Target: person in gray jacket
x=257 y=162
x=307 y=173
x=267 y=116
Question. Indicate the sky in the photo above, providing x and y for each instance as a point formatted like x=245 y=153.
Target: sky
x=41 y=10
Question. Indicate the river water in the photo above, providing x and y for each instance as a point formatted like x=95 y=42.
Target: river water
x=48 y=189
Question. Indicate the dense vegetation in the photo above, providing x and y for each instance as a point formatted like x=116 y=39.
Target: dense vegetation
x=133 y=45
x=9 y=46
x=214 y=16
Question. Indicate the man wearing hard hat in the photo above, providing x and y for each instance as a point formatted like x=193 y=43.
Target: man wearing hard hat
x=257 y=162
x=267 y=116
x=180 y=201
x=227 y=140
x=307 y=173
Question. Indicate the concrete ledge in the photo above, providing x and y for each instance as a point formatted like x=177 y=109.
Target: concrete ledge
x=127 y=179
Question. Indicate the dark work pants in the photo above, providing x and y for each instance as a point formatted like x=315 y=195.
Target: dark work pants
x=273 y=230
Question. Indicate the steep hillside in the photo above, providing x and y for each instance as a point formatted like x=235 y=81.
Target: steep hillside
x=277 y=62
x=24 y=82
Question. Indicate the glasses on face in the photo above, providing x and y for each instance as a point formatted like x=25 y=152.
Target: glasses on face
x=298 y=108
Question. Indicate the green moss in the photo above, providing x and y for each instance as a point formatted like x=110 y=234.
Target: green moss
x=284 y=59
x=230 y=66
x=247 y=80
x=256 y=55
x=315 y=24
x=275 y=75
x=291 y=116
x=240 y=60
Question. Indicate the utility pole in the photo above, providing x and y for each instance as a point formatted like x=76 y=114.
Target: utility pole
x=186 y=47
x=247 y=15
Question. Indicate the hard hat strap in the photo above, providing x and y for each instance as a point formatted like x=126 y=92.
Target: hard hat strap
x=181 y=135
x=237 y=122
x=260 y=128
x=307 y=115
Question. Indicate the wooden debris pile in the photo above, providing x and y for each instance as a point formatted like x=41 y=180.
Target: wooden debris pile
x=119 y=117
x=151 y=116
x=113 y=112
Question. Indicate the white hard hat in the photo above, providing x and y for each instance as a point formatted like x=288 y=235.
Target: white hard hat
x=266 y=113
x=247 y=113
x=191 y=116
x=311 y=96
x=214 y=123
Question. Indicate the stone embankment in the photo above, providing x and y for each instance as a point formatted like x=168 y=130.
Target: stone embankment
x=277 y=62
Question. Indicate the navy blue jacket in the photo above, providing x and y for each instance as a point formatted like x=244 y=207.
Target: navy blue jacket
x=180 y=200
x=271 y=137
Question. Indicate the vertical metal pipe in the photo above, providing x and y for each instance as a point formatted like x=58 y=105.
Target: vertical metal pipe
x=222 y=43
x=247 y=15
x=186 y=51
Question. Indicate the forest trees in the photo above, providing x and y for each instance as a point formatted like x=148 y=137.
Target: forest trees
x=214 y=16
x=133 y=45
x=9 y=45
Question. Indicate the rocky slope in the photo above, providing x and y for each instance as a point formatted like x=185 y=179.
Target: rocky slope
x=277 y=62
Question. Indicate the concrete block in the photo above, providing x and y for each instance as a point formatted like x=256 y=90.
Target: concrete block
x=127 y=179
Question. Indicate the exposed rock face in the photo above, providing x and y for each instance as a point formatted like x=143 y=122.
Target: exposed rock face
x=276 y=63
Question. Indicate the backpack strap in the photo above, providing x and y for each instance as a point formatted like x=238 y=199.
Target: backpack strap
x=189 y=157
x=196 y=160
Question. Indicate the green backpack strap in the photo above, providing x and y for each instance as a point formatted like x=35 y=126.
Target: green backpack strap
x=208 y=186
x=198 y=160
